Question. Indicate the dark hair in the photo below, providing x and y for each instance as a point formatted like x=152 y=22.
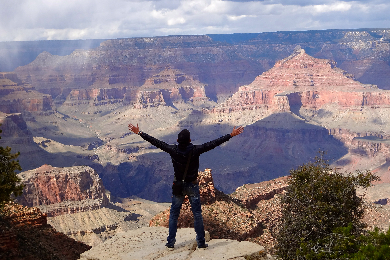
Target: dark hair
x=184 y=137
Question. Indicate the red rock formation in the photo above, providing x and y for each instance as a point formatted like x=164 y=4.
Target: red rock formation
x=17 y=216
x=20 y=215
x=303 y=80
x=62 y=190
x=129 y=62
x=22 y=101
x=9 y=82
x=164 y=88
x=258 y=203
x=97 y=94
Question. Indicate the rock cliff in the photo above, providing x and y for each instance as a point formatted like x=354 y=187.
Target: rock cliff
x=304 y=81
x=260 y=202
x=62 y=190
x=289 y=112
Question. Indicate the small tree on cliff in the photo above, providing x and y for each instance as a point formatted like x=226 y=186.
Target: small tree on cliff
x=9 y=181
x=318 y=202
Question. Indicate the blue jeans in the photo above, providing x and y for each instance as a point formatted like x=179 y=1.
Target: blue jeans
x=192 y=191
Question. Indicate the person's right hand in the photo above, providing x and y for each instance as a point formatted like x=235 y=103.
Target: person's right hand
x=237 y=131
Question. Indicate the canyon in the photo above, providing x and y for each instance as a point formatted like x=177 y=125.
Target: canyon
x=295 y=92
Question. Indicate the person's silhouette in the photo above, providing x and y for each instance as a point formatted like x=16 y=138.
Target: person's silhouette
x=185 y=160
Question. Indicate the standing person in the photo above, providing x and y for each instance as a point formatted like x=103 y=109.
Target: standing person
x=185 y=160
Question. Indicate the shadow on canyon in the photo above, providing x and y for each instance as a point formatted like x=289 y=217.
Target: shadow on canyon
x=267 y=149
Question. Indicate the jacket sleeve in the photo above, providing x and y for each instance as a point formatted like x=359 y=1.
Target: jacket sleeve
x=154 y=141
x=212 y=144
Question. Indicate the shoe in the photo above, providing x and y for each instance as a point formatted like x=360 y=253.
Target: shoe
x=170 y=246
x=203 y=246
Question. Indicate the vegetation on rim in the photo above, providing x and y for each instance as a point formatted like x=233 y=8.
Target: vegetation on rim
x=322 y=216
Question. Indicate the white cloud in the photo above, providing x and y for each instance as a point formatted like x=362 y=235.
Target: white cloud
x=335 y=7
x=239 y=17
x=75 y=19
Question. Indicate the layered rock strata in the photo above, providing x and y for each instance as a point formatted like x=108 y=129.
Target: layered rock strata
x=304 y=81
x=93 y=227
x=168 y=87
x=62 y=190
x=18 y=97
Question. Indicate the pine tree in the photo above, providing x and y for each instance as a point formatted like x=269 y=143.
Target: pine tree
x=9 y=181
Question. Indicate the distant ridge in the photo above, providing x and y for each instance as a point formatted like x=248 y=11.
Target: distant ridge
x=15 y=54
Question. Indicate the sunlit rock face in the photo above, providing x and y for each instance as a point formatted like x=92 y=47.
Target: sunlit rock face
x=305 y=81
x=235 y=216
x=62 y=190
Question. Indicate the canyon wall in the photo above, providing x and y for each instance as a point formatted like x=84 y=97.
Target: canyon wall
x=222 y=65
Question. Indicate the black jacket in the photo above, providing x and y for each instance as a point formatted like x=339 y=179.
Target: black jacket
x=180 y=154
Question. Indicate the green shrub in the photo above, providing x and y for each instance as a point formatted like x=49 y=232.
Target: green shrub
x=318 y=202
x=9 y=181
x=373 y=246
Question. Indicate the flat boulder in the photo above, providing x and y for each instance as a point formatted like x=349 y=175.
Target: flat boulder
x=149 y=243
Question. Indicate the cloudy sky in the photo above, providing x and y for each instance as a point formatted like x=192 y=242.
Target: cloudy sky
x=22 y=20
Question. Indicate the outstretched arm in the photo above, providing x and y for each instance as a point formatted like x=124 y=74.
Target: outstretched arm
x=154 y=141
x=212 y=144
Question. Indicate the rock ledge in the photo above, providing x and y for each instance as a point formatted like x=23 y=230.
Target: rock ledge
x=149 y=243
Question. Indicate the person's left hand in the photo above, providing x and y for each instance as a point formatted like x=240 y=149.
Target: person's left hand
x=134 y=129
